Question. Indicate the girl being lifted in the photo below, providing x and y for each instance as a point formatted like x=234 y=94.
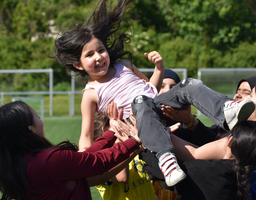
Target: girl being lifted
x=96 y=49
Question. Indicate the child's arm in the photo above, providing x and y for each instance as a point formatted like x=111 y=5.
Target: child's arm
x=122 y=176
x=100 y=179
x=88 y=109
x=157 y=77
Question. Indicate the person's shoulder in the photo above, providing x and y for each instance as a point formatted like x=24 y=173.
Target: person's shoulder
x=126 y=63
x=90 y=97
x=90 y=92
x=43 y=155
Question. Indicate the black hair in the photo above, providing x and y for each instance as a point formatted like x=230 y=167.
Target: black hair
x=102 y=24
x=251 y=81
x=16 y=142
x=244 y=152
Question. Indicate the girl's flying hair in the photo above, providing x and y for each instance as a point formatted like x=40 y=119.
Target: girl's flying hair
x=102 y=24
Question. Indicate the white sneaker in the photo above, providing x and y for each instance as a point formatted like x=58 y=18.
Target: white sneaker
x=237 y=111
x=170 y=168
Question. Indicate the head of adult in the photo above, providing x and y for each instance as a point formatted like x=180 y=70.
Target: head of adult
x=102 y=24
x=246 y=89
x=101 y=124
x=170 y=79
x=21 y=133
x=244 y=153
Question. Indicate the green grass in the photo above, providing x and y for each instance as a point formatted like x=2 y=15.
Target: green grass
x=205 y=120
x=58 y=129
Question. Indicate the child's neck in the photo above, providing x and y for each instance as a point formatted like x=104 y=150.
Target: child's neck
x=107 y=77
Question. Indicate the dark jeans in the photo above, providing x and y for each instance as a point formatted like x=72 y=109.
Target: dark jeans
x=153 y=133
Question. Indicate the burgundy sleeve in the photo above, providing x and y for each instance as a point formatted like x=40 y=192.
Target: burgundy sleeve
x=105 y=141
x=65 y=164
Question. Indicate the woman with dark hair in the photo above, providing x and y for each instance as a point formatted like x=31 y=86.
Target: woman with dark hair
x=33 y=168
x=226 y=169
x=244 y=152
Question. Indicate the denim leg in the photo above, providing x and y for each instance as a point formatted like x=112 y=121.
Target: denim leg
x=194 y=92
x=151 y=130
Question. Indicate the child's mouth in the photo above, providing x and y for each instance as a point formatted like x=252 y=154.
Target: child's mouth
x=100 y=66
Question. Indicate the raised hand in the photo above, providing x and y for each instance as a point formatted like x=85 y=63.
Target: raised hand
x=155 y=58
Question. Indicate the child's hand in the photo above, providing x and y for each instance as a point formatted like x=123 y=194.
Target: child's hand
x=155 y=58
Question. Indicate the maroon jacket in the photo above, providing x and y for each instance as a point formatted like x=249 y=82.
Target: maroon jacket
x=61 y=174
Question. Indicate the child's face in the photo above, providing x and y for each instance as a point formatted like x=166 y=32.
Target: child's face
x=167 y=84
x=244 y=92
x=94 y=59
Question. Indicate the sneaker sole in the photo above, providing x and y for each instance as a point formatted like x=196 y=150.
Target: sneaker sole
x=244 y=113
x=177 y=180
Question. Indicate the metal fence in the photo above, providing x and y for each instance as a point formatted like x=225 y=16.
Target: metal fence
x=222 y=80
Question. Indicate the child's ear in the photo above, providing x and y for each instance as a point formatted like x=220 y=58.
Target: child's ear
x=78 y=66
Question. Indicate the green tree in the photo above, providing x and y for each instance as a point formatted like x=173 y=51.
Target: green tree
x=218 y=24
x=188 y=34
x=26 y=38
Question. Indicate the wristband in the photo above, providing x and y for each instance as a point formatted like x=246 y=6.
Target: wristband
x=138 y=144
x=191 y=124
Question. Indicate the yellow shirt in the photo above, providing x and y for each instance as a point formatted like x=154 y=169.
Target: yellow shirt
x=138 y=187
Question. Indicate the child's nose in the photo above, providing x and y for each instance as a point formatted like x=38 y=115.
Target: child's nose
x=98 y=57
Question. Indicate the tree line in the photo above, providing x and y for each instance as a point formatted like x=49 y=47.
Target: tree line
x=189 y=34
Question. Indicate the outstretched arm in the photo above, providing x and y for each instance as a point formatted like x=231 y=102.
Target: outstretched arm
x=157 y=77
x=219 y=149
x=100 y=179
x=198 y=133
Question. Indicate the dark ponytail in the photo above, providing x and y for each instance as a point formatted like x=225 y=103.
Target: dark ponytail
x=244 y=152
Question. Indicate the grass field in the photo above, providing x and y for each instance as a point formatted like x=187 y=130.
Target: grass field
x=58 y=129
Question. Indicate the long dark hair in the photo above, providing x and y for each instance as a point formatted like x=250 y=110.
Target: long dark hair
x=243 y=148
x=102 y=24
x=17 y=141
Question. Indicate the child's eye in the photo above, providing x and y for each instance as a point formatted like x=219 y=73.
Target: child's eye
x=101 y=50
x=89 y=55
